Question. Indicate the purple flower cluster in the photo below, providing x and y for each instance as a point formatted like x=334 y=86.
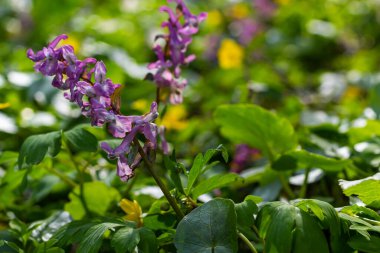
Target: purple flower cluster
x=243 y=155
x=173 y=55
x=86 y=84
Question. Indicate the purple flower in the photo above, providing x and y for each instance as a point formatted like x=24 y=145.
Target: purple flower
x=171 y=57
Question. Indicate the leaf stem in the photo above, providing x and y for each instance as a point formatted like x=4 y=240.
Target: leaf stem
x=286 y=186
x=81 y=179
x=304 y=185
x=159 y=182
x=61 y=176
x=247 y=242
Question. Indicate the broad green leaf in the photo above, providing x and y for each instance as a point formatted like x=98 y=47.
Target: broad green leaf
x=301 y=159
x=81 y=140
x=194 y=172
x=148 y=241
x=208 y=228
x=125 y=240
x=244 y=213
x=213 y=182
x=256 y=127
x=366 y=189
x=93 y=237
x=35 y=147
x=286 y=228
x=98 y=196
x=359 y=134
x=363 y=245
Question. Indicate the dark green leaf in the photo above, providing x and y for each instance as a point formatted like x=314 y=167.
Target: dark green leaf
x=174 y=172
x=148 y=241
x=208 y=228
x=93 y=238
x=256 y=127
x=35 y=147
x=125 y=240
x=81 y=140
x=194 y=172
x=369 y=246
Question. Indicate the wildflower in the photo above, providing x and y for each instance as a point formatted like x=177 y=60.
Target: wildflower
x=230 y=54
x=133 y=211
x=172 y=56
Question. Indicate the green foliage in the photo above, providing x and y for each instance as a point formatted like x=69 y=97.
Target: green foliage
x=36 y=147
x=257 y=127
x=208 y=228
x=81 y=140
x=98 y=197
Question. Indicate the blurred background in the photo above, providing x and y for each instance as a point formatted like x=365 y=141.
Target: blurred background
x=315 y=62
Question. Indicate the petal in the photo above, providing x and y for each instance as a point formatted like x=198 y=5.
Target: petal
x=55 y=42
x=123 y=169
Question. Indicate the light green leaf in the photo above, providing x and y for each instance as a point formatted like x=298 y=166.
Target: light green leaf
x=208 y=228
x=256 y=127
x=125 y=240
x=366 y=189
x=35 y=147
x=81 y=139
x=301 y=159
x=194 y=172
x=214 y=182
x=98 y=196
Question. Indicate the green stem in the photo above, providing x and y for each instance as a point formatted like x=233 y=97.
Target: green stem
x=286 y=186
x=160 y=184
x=247 y=242
x=304 y=185
x=81 y=179
x=62 y=176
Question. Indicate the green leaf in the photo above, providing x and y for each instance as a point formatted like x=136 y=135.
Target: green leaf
x=361 y=211
x=125 y=240
x=174 y=172
x=214 y=182
x=301 y=159
x=363 y=245
x=286 y=228
x=81 y=140
x=208 y=228
x=148 y=241
x=35 y=147
x=359 y=134
x=98 y=196
x=195 y=171
x=366 y=189
x=244 y=214
x=93 y=238
x=256 y=127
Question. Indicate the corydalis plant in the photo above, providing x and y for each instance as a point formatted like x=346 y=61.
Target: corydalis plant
x=85 y=84
x=182 y=25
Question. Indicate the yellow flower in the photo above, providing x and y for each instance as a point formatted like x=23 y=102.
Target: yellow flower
x=4 y=105
x=239 y=11
x=214 y=18
x=133 y=211
x=282 y=2
x=71 y=40
x=230 y=54
x=141 y=105
x=174 y=118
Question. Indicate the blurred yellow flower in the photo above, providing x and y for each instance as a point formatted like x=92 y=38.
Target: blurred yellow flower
x=4 y=105
x=282 y=2
x=71 y=40
x=141 y=105
x=214 y=18
x=133 y=211
x=239 y=11
x=230 y=54
x=174 y=118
